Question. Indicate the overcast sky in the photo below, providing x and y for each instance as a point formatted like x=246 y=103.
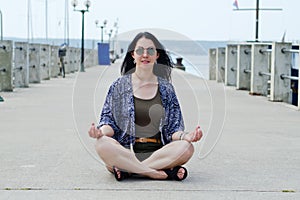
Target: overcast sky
x=194 y=19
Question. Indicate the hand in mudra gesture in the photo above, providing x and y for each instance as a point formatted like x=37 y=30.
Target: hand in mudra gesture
x=94 y=132
x=194 y=136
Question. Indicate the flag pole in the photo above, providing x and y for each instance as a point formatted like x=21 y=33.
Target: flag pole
x=257 y=21
x=257 y=9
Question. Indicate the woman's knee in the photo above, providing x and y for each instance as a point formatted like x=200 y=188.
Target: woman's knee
x=187 y=149
x=183 y=150
x=103 y=144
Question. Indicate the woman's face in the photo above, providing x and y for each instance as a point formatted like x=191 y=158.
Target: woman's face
x=145 y=53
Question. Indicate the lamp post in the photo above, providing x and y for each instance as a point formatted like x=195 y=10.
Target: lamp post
x=116 y=27
x=102 y=27
x=87 y=4
x=109 y=35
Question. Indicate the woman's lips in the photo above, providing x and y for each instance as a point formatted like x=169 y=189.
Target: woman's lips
x=145 y=61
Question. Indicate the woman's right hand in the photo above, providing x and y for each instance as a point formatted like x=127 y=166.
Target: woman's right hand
x=94 y=132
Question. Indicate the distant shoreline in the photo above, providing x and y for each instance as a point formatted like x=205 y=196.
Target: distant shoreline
x=180 y=46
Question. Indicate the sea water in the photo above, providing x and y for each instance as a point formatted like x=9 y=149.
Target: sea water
x=194 y=54
x=194 y=64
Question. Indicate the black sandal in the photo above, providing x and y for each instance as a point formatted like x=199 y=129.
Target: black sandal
x=172 y=173
x=122 y=175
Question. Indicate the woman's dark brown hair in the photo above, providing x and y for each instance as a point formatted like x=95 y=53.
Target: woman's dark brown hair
x=164 y=63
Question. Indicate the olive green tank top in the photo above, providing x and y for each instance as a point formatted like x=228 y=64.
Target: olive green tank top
x=148 y=114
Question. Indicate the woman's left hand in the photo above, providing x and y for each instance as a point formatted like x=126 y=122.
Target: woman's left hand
x=194 y=136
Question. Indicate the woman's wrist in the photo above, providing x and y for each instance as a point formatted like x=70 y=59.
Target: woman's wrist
x=182 y=134
x=106 y=130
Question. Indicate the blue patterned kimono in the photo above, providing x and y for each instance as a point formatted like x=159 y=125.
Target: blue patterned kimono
x=118 y=111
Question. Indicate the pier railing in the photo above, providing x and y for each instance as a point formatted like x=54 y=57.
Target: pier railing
x=23 y=63
x=266 y=69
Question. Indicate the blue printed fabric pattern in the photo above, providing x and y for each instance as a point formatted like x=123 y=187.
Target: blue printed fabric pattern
x=118 y=111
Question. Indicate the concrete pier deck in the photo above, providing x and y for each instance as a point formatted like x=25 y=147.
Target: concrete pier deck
x=250 y=149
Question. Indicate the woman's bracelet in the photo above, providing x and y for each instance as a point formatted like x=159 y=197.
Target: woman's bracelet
x=182 y=134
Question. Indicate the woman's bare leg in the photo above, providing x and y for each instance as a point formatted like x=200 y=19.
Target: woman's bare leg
x=171 y=155
x=114 y=154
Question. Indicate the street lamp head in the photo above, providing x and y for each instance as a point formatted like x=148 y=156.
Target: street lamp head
x=105 y=22
x=87 y=3
x=74 y=3
x=96 y=22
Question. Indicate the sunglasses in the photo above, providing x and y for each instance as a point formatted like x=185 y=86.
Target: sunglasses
x=150 y=51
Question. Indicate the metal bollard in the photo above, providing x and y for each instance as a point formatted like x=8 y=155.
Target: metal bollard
x=247 y=71
x=264 y=51
x=2 y=70
x=285 y=50
x=284 y=76
x=3 y=47
x=264 y=74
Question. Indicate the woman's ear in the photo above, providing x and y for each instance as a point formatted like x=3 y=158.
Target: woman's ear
x=157 y=55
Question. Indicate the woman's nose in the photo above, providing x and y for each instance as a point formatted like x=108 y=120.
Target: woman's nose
x=145 y=53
